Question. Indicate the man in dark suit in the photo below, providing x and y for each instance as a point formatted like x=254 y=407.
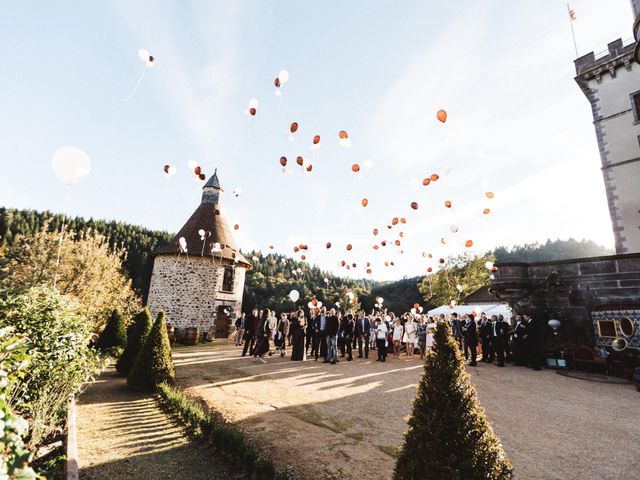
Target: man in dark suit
x=486 y=332
x=363 y=329
x=332 y=327
x=309 y=334
x=321 y=335
x=470 y=337
x=250 y=324
x=456 y=326
x=532 y=343
x=347 y=325
x=499 y=337
x=519 y=350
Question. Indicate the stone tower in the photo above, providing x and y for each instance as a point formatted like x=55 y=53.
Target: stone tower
x=611 y=82
x=200 y=285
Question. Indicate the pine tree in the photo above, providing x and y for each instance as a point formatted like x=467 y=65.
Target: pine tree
x=114 y=335
x=153 y=364
x=139 y=332
x=449 y=437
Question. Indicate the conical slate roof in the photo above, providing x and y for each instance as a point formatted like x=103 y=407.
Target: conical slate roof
x=207 y=217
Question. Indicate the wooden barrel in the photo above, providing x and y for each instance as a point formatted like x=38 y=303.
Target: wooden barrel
x=191 y=335
x=171 y=333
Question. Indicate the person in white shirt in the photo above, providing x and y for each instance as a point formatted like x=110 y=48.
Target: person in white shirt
x=381 y=340
x=398 y=330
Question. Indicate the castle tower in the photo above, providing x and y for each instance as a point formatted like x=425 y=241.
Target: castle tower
x=611 y=82
x=202 y=286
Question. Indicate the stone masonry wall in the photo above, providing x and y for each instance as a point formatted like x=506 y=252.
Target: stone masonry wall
x=188 y=290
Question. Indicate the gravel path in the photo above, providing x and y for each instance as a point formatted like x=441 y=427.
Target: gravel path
x=124 y=435
x=346 y=421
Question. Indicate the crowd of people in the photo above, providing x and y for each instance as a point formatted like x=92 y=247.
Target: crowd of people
x=328 y=334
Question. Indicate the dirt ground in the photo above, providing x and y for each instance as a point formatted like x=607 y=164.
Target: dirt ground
x=346 y=421
x=124 y=435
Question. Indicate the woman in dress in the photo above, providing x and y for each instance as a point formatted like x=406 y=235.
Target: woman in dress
x=421 y=333
x=262 y=337
x=397 y=337
x=299 y=327
x=429 y=335
x=410 y=330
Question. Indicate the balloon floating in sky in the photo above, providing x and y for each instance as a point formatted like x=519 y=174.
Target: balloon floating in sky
x=253 y=107
x=468 y=243
x=309 y=167
x=453 y=228
x=395 y=221
x=489 y=194
x=365 y=202
x=169 y=170
x=414 y=205
x=300 y=161
x=146 y=57
x=344 y=140
x=283 y=161
x=486 y=211
x=355 y=168
x=316 y=139
x=448 y=203
x=375 y=231
x=71 y=165
x=236 y=226
x=349 y=247
x=434 y=177
x=328 y=244
x=426 y=181
x=294 y=127
x=441 y=116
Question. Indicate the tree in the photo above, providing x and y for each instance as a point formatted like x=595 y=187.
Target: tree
x=449 y=437
x=89 y=271
x=139 y=332
x=469 y=272
x=114 y=335
x=153 y=364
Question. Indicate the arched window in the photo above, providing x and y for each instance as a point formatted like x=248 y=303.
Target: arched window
x=228 y=279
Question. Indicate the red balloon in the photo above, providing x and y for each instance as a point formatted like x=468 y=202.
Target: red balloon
x=294 y=127
x=353 y=265
x=383 y=243
x=276 y=82
x=434 y=177
x=376 y=247
x=416 y=306
x=316 y=139
x=202 y=176
x=300 y=161
x=252 y=111
x=296 y=249
x=395 y=221
x=328 y=244
x=197 y=170
x=375 y=231
x=441 y=260
x=426 y=181
x=489 y=194
x=349 y=247
x=369 y=271
x=166 y=168
x=468 y=243
x=429 y=269
x=283 y=161
x=442 y=116
x=343 y=263
x=403 y=220
x=309 y=167
x=447 y=204
x=414 y=205
x=314 y=302
x=365 y=202
x=486 y=211
x=397 y=242
x=236 y=226
x=302 y=257
x=343 y=134
x=355 y=168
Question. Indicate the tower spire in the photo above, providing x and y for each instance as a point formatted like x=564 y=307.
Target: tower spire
x=211 y=190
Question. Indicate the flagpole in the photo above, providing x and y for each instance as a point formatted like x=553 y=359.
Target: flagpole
x=573 y=34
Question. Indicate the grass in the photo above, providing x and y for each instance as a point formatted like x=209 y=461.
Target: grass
x=358 y=436
x=314 y=418
x=393 y=452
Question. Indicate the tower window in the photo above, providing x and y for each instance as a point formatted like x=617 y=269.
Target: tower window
x=227 y=279
x=635 y=105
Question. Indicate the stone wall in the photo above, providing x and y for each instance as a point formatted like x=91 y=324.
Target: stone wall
x=189 y=290
x=570 y=290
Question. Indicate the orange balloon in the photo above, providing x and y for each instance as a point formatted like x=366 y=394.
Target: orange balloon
x=369 y=271
x=394 y=221
x=236 y=226
x=426 y=181
x=355 y=167
x=447 y=204
x=429 y=269
x=397 y=242
x=401 y=234
x=283 y=161
x=328 y=244
x=468 y=243
x=489 y=194
x=403 y=220
x=365 y=202
x=414 y=205
x=252 y=111
x=309 y=167
x=314 y=302
x=197 y=170
x=386 y=264
x=376 y=247
x=294 y=127
x=300 y=161
x=343 y=134
x=375 y=231
x=416 y=306
x=349 y=247
x=434 y=177
x=486 y=211
x=316 y=139
x=442 y=116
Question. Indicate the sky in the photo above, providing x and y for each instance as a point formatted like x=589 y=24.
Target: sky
x=518 y=125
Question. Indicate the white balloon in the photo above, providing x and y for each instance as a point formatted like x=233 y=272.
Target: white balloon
x=283 y=76
x=144 y=54
x=294 y=295
x=253 y=103
x=489 y=265
x=201 y=232
x=71 y=165
x=319 y=304
x=413 y=310
x=172 y=171
x=453 y=228
x=311 y=305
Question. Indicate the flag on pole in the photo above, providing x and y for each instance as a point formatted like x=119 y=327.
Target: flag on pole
x=573 y=18
x=572 y=15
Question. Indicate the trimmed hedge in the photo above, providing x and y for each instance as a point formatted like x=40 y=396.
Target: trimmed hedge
x=224 y=436
x=138 y=334
x=114 y=335
x=153 y=364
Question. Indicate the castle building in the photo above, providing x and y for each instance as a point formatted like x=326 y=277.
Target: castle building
x=611 y=82
x=198 y=277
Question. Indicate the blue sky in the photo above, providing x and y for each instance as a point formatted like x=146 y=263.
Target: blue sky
x=518 y=124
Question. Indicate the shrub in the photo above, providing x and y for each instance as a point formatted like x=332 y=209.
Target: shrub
x=61 y=360
x=153 y=364
x=138 y=334
x=114 y=335
x=449 y=436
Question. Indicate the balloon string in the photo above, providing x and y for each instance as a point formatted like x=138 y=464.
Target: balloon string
x=137 y=84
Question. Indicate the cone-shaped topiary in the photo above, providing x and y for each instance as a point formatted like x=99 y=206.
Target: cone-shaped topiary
x=449 y=436
x=139 y=332
x=153 y=364
x=114 y=334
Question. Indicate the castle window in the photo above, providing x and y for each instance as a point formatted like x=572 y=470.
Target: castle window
x=227 y=279
x=635 y=104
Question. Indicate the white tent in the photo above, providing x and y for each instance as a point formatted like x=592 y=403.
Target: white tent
x=490 y=309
